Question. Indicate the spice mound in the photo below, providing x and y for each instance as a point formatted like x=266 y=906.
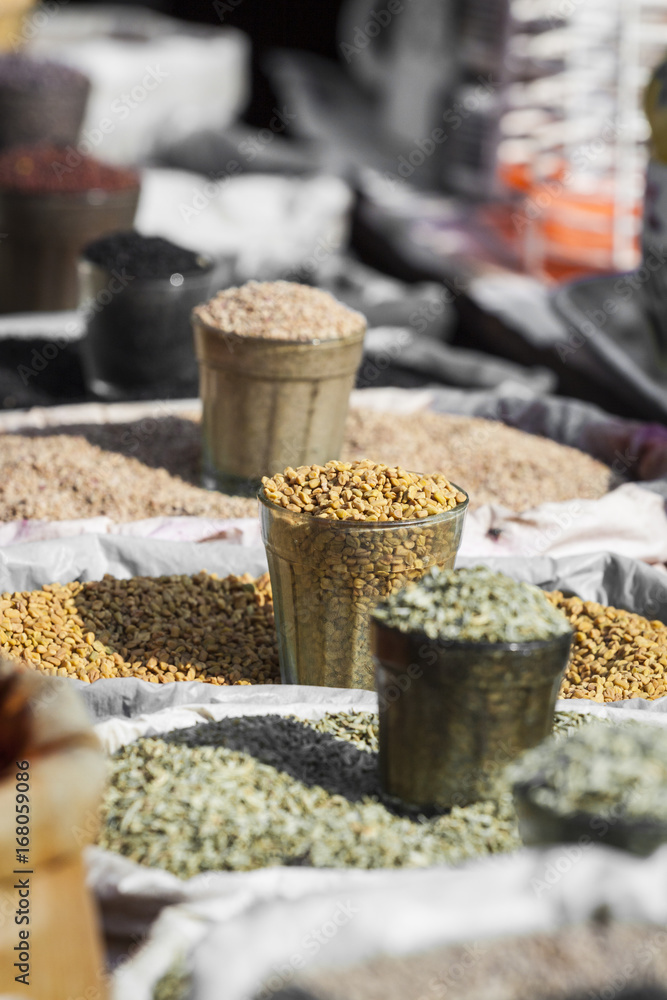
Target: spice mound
x=615 y=654
x=617 y=772
x=361 y=491
x=473 y=605
x=190 y=803
x=158 y=629
x=281 y=310
x=143 y=256
x=45 y=169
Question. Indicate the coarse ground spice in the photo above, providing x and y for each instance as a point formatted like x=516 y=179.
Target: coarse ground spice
x=90 y=470
x=585 y=960
x=48 y=169
x=158 y=629
x=361 y=491
x=280 y=310
x=615 y=654
x=143 y=256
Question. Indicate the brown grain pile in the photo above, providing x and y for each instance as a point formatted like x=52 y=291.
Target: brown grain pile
x=159 y=629
x=593 y=960
x=493 y=463
x=615 y=654
x=280 y=310
x=150 y=467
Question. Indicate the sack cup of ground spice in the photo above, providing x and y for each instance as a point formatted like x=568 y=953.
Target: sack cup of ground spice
x=339 y=538
x=53 y=201
x=277 y=364
x=137 y=293
x=468 y=668
x=40 y=101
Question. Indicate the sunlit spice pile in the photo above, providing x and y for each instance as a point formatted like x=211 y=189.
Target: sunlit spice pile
x=159 y=629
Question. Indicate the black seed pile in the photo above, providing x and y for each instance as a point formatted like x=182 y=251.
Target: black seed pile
x=143 y=256
x=294 y=748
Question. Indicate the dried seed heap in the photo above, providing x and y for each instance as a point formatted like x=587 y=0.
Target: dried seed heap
x=61 y=477
x=190 y=809
x=361 y=491
x=615 y=654
x=103 y=469
x=588 y=960
x=280 y=310
x=159 y=629
x=493 y=463
x=617 y=772
x=364 y=532
x=473 y=605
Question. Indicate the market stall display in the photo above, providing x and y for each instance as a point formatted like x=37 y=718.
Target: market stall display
x=40 y=101
x=54 y=200
x=277 y=365
x=338 y=538
x=468 y=664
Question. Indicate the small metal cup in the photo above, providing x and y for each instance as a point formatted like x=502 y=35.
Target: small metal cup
x=453 y=714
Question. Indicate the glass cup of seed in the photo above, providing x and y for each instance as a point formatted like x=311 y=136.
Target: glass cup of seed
x=468 y=667
x=277 y=363
x=331 y=560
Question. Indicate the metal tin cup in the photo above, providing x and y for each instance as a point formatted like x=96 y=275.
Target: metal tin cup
x=540 y=826
x=45 y=234
x=269 y=404
x=453 y=714
x=138 y=335
x=327 y=575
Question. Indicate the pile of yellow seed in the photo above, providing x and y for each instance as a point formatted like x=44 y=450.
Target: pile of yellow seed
x=361 y=491
x=159 y=629
x=615 y=654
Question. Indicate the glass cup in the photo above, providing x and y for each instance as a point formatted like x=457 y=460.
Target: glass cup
x=327 y=575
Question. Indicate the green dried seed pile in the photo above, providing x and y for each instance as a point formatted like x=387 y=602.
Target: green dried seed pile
x=189 y=809
x=473 y=605
x=617 y=771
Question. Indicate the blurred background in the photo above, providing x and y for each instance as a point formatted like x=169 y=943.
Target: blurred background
x=471 y=174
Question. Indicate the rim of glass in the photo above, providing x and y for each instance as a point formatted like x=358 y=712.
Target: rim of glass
x=353 y=338
x=342 y=524
x=463 y=645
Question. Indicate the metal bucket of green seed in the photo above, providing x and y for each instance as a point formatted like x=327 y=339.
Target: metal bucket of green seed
x=331 y=562
x=455 y=707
